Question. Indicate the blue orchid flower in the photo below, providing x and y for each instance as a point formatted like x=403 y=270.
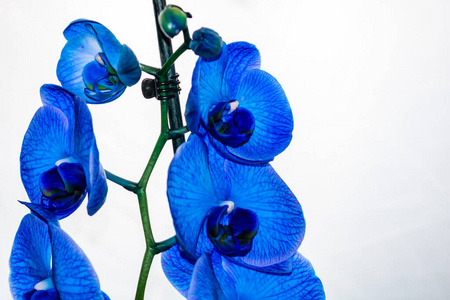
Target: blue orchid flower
x=213 y=277
x=46 y=263
x=241 y=109
x=59 y=161
x=94 y=65
x=244 y=212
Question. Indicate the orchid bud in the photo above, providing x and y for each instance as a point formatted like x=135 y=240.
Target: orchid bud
x=206 y=43
x=172 y=19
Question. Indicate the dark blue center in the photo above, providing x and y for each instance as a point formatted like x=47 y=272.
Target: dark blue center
x=101 y=80
x=232 y=232
x=63 y=188
x=231 y=125
x=50 y=294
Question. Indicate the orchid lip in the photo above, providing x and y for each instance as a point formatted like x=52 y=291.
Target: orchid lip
x=231 y=230
x=230 y=124
x=63 y=187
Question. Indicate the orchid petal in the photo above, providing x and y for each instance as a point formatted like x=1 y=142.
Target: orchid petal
x=78 y=27
x=76 y=54
x=302 y=283
x=121 y=57
x=87 y=154
x=281 y=268
x=128 y=69
x=192 y=113
x=261 y=94
x=56 y=96
x=73 y=274
x=208 y=75
x=177 y=270
x=46 y=141
x=44 y=214
x=204 y=284
x=242 y=57
x=190 y=191
x=99 y=187
x=30 y=256
x=259 y=188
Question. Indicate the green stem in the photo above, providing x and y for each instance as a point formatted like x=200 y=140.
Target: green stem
x=162 y=139
x=145 y=218
x=164 y=245
x=170 y=115
x=146 y=263
x=165 y=51
x=176 y=133
x=169 y=63
x=126 y=184
x=150 y=70
x=143 y=204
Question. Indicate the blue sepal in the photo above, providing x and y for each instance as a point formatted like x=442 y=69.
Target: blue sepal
x=55 y=96
x=46 y=141
x=45 y=215
x=87 y=154
x=302 y=283
x=282 y=268
x=121 y=57
x=30 y=256
x=204 y=284
x=187 y=170
x=73 y=274
x=177 y=269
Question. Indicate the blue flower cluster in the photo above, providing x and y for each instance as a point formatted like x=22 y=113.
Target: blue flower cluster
x=60 y=166
x=238 y=224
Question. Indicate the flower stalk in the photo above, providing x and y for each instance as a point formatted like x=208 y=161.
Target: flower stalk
x=165 y=50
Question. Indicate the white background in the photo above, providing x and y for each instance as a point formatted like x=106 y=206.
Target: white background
x=369 y=86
